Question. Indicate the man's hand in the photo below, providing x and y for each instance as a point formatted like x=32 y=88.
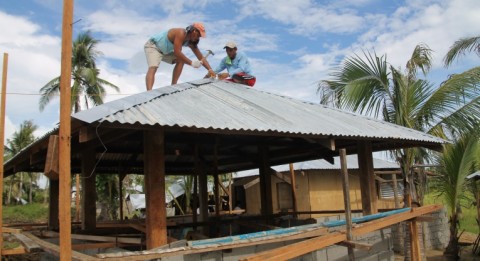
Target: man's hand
x=222 y=76
x=212 y=74
x=196 y=64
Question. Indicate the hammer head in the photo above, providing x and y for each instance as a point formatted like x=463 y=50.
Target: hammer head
x=208 y=53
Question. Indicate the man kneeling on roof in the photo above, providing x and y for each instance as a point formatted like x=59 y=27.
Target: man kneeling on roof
x=237 y=65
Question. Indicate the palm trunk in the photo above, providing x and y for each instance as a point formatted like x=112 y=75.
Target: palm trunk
x=30 y=188
x=10 y=187
x=452 y=250
x=20 y=186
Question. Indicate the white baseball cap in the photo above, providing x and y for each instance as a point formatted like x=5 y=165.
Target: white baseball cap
x=230 y=44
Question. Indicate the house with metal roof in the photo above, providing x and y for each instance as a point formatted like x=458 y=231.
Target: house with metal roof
x=208 y=127
x=318 y=187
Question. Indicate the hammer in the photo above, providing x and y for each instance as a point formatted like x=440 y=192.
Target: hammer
x=205 y=57
x=208 y=53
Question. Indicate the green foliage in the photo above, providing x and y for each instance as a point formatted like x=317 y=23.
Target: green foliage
x=86 y=81
x=468 y=221
x=29 y=213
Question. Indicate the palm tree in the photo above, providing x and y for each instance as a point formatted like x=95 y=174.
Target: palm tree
x=20 y=139
x=370 y=86
x=86 y=83
x=460 y=47
x=457 y=162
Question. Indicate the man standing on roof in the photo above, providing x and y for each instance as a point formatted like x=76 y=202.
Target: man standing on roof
x=237 y=65
x=167 y=46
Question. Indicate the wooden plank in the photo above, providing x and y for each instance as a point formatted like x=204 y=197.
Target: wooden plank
x=28 y=243
x=53 y=205
x=294 y=187
x=154 y=253
x=11 y=230
x=2 y=140
x=293 y=250
x=126 y=240
x=13 y=251
x=307 y=246
x=56 y=250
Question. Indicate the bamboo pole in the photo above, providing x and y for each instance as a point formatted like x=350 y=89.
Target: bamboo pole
x=2 y=138
x=65 y=133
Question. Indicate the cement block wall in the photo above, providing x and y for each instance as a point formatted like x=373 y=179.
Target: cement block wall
x=435 y=233
x=381 y=241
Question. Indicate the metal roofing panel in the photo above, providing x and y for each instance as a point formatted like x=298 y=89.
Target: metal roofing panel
x=212 y=104
x=352 y=163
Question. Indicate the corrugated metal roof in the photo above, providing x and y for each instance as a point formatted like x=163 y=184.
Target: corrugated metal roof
x=220 y=105
x=352 y=163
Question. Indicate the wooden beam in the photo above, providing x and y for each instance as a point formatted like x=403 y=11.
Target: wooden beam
x=13 y=251
x=53 y=204
x=367 y=178
x=384 y=172
x=125 y=240
x=251 y=183
x=307 y=246
x=294 y=187
x=153 y=254
x=64 y=146
x=29 y=245
x=156 y=212
x=2 y=140
x=415 y=251
x=346 y=199
x=89 y=191
x=57 y=251
x=51 y=160
x=265 y=183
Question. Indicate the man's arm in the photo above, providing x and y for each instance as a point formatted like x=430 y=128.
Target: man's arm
x=199 y=55
x=178 y=36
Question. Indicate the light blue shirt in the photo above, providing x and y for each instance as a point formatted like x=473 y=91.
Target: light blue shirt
x=162 y=42
x=239 y=64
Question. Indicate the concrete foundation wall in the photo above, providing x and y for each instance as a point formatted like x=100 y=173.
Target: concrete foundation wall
x=382 y=250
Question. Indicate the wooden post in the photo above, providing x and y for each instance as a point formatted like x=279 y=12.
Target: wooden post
x=121 y=177
x=265 y=184
x=89 y=191
x=154 y=168
x=294 y=189
x=64 y=148
x=415 y=252
x=2 y=139
x=367 y=178
x=77 y=197
x=346 y=200
x=53 y=218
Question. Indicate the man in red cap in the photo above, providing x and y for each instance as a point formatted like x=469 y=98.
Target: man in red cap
x=167 y=46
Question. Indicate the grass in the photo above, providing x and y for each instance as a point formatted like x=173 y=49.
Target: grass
x=468 y=221
x=29 y=213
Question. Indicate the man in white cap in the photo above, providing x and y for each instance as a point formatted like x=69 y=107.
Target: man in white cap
x=237 y=65
x=167 y=46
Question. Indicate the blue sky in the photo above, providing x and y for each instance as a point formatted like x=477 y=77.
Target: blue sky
x=291 y=44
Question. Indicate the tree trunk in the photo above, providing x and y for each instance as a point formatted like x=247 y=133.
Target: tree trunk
x=20 y=186
x=452 y=250
x=10 y=187
x=30 y=188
